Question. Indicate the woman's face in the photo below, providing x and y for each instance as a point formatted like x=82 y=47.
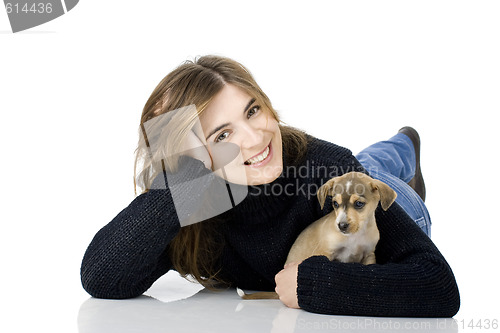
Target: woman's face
x=243 y=138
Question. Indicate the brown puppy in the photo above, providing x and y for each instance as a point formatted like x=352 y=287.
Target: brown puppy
x=349 y=233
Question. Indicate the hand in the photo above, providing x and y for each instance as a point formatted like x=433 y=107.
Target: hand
x=194 y=144
x=194 y=147
x=167 y=127
x=286 y=285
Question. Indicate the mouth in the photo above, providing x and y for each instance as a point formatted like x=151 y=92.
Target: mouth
x=261 y=158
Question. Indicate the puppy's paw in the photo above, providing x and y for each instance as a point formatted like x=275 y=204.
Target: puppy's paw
x=369 y=260
x=240 y=292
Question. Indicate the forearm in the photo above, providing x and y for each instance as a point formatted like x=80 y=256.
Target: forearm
x=127 y=255
x=130 y=253
x=411 y=277
x=426 y=289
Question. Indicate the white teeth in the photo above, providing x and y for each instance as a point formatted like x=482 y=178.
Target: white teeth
x=259 y=158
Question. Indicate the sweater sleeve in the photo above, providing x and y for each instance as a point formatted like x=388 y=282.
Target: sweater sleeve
x=128 y=254
x=411 y=277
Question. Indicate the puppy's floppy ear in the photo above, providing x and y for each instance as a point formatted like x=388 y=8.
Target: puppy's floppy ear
x=324 y=191
x=387 y=194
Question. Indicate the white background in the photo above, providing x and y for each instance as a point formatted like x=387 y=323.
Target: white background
x=351 y=72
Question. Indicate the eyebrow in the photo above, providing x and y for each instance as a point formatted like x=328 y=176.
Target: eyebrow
x=218 y=128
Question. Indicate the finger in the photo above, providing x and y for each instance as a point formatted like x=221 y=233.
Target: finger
x=276 y=278
x=194 y=147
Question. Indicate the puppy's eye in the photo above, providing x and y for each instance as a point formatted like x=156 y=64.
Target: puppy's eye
x=335 y=204
x=359 y=204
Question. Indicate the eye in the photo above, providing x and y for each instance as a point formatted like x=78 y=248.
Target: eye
x=359 y=204
x=222 y=136
x=252 y=111
x=335 y=204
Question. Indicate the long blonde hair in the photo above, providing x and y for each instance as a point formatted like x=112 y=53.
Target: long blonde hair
x=195 y=248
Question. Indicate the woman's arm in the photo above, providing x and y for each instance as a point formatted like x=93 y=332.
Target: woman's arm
x=411 y=277
x=127 y=255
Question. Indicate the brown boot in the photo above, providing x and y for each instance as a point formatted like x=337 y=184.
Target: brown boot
x=417 y=182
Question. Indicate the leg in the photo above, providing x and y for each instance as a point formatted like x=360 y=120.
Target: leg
x=395 y=156
x=408 y=199
x=369 y=259
x=394 y=162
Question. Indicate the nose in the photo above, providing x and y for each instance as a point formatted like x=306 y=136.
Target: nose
x=343 y=226
x=251 y=136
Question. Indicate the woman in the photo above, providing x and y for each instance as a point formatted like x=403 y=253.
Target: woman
x=207 y=123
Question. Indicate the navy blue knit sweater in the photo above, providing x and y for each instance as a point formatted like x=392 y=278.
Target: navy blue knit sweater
x=411 y=277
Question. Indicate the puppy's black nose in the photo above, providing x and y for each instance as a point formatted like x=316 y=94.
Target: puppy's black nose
x=343 y=226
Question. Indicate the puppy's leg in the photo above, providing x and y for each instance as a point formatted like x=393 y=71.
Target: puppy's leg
x=369 y=259
x=257 y=295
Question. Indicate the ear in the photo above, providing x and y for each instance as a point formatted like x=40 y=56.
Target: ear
x=387 y=194
x=324 y=191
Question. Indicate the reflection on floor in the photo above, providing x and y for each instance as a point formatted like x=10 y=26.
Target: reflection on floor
x=176 y=305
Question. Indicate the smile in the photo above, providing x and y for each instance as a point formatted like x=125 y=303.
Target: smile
x=261 y=158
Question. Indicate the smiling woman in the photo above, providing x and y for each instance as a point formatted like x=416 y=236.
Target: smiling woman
x=208 y=122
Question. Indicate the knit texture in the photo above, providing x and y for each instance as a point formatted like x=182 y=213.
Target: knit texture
x=411 y=277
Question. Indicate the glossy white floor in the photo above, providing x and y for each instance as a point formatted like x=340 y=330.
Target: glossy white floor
x=71 y=92
x=164 y=309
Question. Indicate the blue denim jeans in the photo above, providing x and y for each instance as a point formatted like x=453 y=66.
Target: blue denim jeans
x=393 y=162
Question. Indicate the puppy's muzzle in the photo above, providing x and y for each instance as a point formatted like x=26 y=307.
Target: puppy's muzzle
x=343 y=226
